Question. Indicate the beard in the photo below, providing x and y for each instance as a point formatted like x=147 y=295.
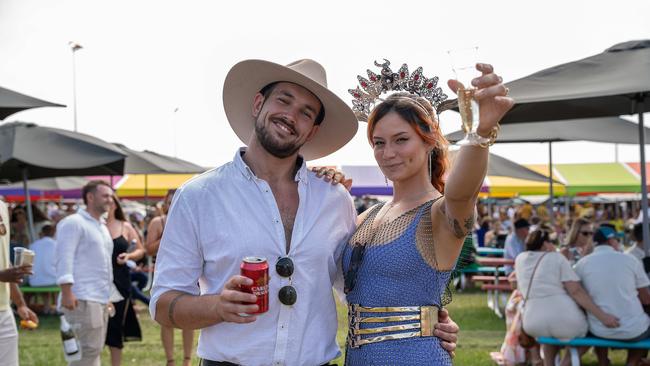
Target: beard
x=271 y=145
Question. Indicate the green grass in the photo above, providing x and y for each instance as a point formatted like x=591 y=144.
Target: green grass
x=481 y=333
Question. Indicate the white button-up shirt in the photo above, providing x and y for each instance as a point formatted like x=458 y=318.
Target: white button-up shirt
x=227 y=214
x=83 y=256
x=612 y=278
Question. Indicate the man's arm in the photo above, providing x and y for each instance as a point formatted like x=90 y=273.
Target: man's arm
x=182 y=310
x=67 y=240
x=23 y=311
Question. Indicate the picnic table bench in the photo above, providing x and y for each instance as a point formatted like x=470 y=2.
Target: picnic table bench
x=489 y=251
x=573 y=345
x=497 y=288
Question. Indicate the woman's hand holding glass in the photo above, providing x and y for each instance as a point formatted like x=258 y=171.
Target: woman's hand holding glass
x=492 y=97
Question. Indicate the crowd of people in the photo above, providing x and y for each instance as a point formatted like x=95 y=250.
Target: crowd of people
x=572 y=279
x=391 y=261
x=99 y=286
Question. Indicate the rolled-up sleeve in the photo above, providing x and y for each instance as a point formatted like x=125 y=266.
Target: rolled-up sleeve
x=349 y=219
x=179 y=263
x=68 y=235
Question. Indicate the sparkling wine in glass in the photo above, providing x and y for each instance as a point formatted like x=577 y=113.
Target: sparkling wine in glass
x=463 y=62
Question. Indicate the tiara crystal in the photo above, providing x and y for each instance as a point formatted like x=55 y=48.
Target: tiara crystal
x=370 y=90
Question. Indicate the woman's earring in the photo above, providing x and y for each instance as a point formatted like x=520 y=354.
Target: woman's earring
x=430 y=153
x=386 y=179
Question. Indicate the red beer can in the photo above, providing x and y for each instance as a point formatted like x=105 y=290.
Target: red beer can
x=257 y=269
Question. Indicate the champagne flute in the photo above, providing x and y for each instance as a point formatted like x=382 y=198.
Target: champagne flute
x=463 y=62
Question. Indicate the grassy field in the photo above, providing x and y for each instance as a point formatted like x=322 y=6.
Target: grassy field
x=481 y=333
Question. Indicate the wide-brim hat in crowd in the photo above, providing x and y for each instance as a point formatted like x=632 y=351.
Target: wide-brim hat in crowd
x=248 y=77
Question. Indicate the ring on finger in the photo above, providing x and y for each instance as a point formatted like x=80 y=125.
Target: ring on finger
x=507 y=91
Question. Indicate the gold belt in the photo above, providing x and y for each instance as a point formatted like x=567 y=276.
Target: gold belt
x=424 y=318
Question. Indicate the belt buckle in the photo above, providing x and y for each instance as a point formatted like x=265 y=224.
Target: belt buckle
x=428 y=320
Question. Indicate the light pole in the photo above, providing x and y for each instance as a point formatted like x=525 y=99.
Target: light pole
x=174 y=130
x=74 y=46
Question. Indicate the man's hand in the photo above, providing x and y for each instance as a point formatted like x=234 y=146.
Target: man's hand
x=333 y=175
x=68 y=299
x=232 y=301
x=15 y=274
x=26 y=313
x=609 y=320
x=447 y=331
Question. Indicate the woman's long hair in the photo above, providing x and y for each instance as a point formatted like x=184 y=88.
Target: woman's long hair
x=119 y=213
x=575 y=230
x=418 y=112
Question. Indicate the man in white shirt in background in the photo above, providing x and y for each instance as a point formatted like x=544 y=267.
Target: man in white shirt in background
x=44 y=265
x=618 y=284
x=84 y=270
x=44 y=258
x=10 y=277
x=264 y=203
x=516 y=242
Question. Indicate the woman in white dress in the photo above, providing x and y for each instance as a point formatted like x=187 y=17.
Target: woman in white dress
x=551 y=309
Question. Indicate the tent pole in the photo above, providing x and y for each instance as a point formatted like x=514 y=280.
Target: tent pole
x=567 y=214
x=550 y=182
x=644 y=186
x=30 y=213
x=146 y=191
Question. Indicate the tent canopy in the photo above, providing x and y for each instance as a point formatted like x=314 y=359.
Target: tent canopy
x=149 y=162
x=13 y=102
x=605 y=129
x=605 y=84
x=133 y=185
x=52 y=152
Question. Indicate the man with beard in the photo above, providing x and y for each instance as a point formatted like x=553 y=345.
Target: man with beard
x=84 y=270
x=265 y=203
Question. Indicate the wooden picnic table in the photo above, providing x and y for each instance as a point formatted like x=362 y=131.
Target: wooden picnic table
x=495 y=294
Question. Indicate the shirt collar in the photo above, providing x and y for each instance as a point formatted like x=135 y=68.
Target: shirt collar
x=301 y=175
x=85 y=214
x=604 y=248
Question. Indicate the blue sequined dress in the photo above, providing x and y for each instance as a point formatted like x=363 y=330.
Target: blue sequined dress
x=398 y=269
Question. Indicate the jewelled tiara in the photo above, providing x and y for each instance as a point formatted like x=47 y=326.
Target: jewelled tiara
x=370 y=90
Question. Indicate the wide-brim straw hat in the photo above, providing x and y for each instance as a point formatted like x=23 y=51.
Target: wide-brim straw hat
x=248 y=77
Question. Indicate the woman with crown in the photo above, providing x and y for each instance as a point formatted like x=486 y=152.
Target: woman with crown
x=398 y=263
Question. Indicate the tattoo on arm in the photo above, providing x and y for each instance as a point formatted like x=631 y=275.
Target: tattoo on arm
x=172 y=305
x=459 y=231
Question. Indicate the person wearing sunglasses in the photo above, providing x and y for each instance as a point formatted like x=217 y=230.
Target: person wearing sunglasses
x=264 y=203
x=580 y=240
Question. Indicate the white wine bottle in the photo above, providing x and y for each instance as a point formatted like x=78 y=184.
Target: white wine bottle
x=71 y=350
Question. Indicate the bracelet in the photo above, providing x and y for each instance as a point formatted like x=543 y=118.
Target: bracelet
x=486 y=142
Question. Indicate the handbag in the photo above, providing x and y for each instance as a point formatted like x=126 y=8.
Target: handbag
x=525 y=340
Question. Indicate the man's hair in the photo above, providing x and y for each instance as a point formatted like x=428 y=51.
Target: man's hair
x=638 y=232
x=48 y=230
x=268 y=89
x=91 y=187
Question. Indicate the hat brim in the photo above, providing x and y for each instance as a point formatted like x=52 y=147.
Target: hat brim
x=248 y=77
